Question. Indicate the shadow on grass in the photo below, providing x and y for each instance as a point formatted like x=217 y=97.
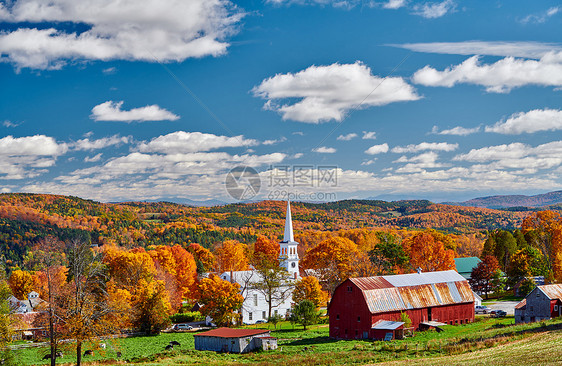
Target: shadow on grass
x=311 y=341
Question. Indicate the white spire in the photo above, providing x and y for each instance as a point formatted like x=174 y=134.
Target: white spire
x=288 y=235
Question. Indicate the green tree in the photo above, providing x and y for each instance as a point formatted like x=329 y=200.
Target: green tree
x=506 y=245
x=388 y=254
x=406 y=319
x=304 y=313
x=273 y=282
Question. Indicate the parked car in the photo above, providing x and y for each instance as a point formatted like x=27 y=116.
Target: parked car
x=481 y=309
x=182 y=327
x=498 y=313
x=261 y=321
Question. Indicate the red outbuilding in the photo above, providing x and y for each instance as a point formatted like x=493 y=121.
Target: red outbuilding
x=358 y=304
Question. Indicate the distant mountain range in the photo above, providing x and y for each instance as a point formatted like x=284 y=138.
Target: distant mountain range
x=506 y=201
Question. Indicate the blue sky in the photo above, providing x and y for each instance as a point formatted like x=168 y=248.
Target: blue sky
x=160 y=99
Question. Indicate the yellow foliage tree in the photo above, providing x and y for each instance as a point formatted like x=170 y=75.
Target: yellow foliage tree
x=308 y=288
x=21 y=283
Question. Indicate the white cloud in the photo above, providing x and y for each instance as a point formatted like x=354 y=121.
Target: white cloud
x=273 y=142
x=8 y=123
x=111 y=111
x=87 y=144
x=541 y=17
x=298 y=133
x=435 y=10
x=499 y=77
x=109 y=70
x=38 y=145
x=419 y=163
x=394 y=4
x=324 y=150
x=147 y=30
x=348 y=137
x=187 y=142
x=433 y=146
x=534 y=50
x=369 y=135
x=27 y=157
x=327 y=93
x=456 y=131
x=369 y=162
x=377 y=149
x=529 y=122
x=346 y=4
x=93 y=159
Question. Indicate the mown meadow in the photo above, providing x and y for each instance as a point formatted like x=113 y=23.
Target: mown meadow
x=463 y=344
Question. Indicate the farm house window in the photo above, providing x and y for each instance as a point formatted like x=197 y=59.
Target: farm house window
x=263 y=314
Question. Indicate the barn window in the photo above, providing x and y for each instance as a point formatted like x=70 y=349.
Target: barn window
x=555 y=307
x=358 y=318
x=349 y=288
x=530 y=308
x=538 y=294
x=338 y=316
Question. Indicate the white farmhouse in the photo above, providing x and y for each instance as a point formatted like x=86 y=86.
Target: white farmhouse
x=255 y=307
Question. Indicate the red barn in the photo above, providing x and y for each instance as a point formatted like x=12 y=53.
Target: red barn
x=359 y=303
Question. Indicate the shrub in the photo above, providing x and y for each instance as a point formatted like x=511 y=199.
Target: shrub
x=190 y=316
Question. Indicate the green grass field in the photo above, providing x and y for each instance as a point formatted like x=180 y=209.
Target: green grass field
x=493 y=339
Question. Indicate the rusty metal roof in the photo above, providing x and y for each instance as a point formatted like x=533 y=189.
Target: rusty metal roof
x=552 y=291
x=414 y=291
x=231 y=332
x=522 y=304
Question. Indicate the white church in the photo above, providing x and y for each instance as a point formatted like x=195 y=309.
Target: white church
x=255 y=307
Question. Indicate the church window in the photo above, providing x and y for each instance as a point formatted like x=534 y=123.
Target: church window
x=255 y=299
x=250 y=316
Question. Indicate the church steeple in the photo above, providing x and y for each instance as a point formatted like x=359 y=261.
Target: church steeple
x=288 y=254
x=288 y=235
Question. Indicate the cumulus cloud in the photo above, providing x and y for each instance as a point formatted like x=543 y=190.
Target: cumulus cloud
x=499 y=77
x=10 y=124
x=419 y=163
x=276 y=141
x=186 y=142
x=147 y=30
x=534 y=50
x=324 y=150
x=377 y=149
x=326 y=93
x=87 y=144
x=516 y=156
x=93 y=159
x=433 y=146
x=111 y=111
x=27 y=157
x=348 y=137
x=434 y=10
x=369 y=135
x=529 y=122
x=456 y=131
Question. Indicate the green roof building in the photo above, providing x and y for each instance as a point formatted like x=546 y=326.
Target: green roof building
x=465 y=265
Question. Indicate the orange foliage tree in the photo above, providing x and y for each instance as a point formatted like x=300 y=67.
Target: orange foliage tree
x=231 y=256
x=221 y=299
x=308 y=288
x=21 y=283
x=204 y=259
x=266 y=250
x=429 y=254
x=332 y=260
